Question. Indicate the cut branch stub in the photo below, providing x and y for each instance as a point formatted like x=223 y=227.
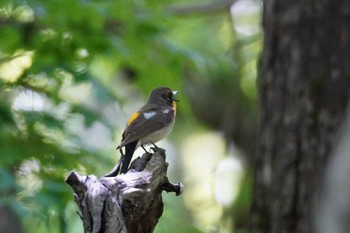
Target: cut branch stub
x=130 y=202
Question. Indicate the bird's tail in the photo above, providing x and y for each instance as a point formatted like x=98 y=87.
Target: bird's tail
x=129 y=151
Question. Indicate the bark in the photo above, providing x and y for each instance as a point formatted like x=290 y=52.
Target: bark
x=303 y=85
x=130 y=202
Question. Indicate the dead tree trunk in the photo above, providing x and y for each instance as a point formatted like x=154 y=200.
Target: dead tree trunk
x=127 y=203
x=304 y=86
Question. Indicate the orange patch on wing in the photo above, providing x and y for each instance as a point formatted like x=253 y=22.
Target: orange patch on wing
x=133 y=117
x=174 y=107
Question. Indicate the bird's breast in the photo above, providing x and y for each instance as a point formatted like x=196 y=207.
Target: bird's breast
x=157 y=135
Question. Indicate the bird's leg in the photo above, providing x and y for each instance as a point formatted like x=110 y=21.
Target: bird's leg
x=155 y=146
x=144 y=148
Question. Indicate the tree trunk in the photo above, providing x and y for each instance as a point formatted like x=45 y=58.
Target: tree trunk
x=303 y=85
x=130 y=202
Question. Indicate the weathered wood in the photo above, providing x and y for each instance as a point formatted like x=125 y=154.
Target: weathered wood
x=130 y=202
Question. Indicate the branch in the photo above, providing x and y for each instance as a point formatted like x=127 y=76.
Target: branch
x=130 y=202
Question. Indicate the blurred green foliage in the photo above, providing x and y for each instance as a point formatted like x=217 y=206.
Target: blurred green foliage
x=69 y=68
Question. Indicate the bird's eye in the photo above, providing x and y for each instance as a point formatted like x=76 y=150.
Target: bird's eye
x=170 y=95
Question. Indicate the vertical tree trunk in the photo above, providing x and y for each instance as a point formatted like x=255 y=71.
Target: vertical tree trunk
x=304 y=85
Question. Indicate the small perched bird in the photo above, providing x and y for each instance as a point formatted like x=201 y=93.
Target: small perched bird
x=153 y=122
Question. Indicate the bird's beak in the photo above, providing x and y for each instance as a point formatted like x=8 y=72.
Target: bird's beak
x=174 y=94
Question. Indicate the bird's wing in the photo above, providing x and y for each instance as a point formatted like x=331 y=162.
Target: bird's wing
x=142 y=124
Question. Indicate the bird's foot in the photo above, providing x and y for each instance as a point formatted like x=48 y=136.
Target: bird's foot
x=147 y=152
x=155 y=148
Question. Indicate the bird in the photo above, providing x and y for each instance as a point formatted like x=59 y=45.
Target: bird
x=153 y=122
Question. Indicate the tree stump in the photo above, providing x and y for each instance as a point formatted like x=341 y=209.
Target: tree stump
x=127 y=203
